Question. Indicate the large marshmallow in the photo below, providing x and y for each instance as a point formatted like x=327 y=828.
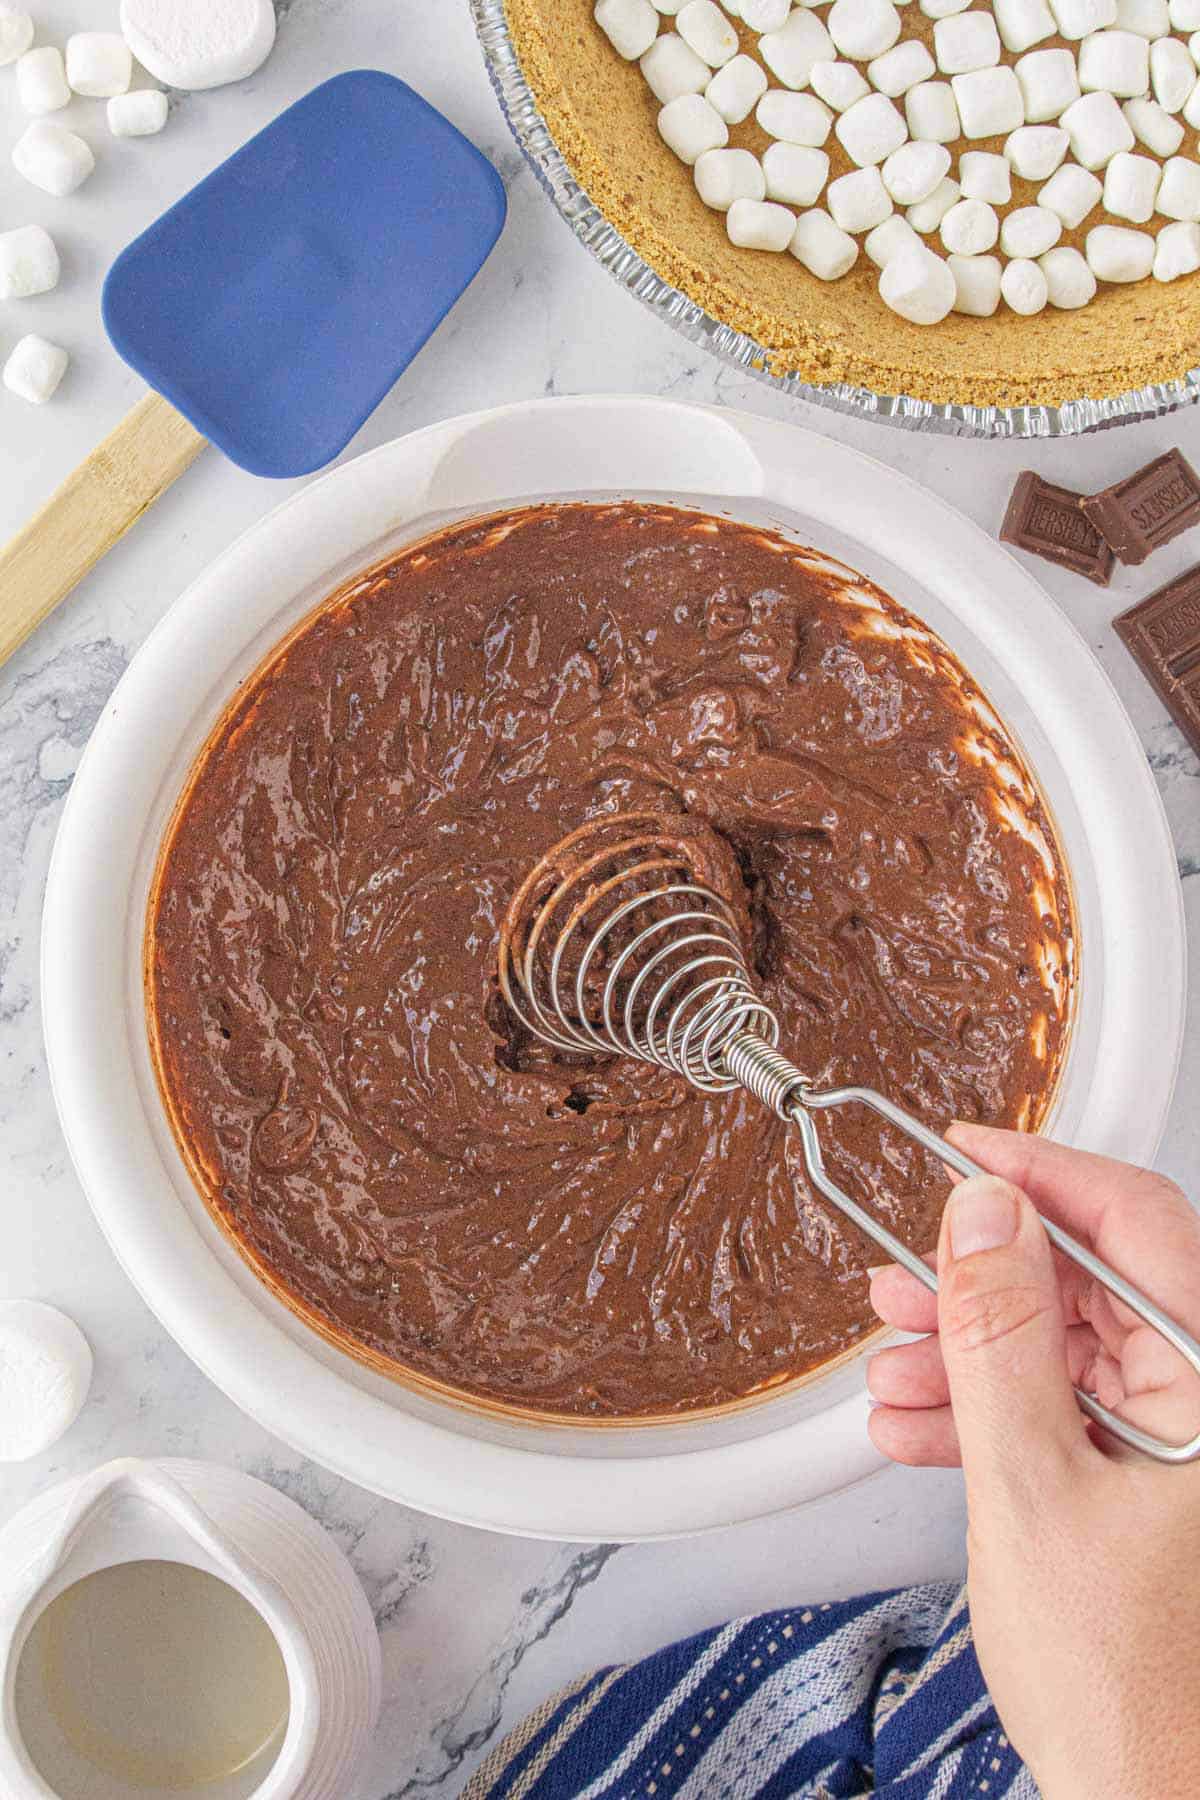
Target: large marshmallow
x=859 y=201
x=1029 y=231
x=1070 y=283
x=28 y=262
x=16 y=34
x=976 y=284
x=839 y=84
x=1172 y=73
x=705 y=29
x=970 y=227
x=1076 y=18
x=824 y=248
x=901 y=68
x=630 y=26
x=1024 y=286
x=1115 y=62
x=967 y=41
x=1116 y=253
x=139 y=114
x=759 y=225
x=1176 y=251
x=985 y=176
x=723 y=176
x=52 y=158
x=791 y=52
x=932 y=113
x=1179 y=190
x=870 y=130
x=863 y=29
x=42 y=81
x=795 y=173
x=188 y=45
x=989 y=102
x=35 y=368
x=1098 y=130
x=1130 y=185
x=735 y=90
x=911 y=173
x=1049 y=82
x=1149 y=18
x=689 y=126
x=886 y=239
x=1035 y=151
x=794 y=118
x=45 y=1358
x=918 y=285
x=927 y=215
x=672 y=68
x=1153 y=127
x=1072 y=193
x=98 y=64
x=1023 y=23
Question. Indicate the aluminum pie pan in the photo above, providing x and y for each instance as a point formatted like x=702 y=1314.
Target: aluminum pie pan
x=614 y=253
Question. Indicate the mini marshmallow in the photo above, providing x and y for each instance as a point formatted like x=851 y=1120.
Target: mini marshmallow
x=1035 y=151
x=1115 y=253
x=759 y=225
x=630 y=26
x=911 y=173
x=1075 y=18
x=139 y=114
x=824 y=248
x=1191 y=108
x=794 y=118
x=795 y=173
x=689 y=126
x=723 y=176
x=838 y=83
x=1153 y=127
x=985 y=176
x=864 y=28
x=28 y=263
x=859 y=200
x=1179 y=190
x=791 y=52
x=672 y=68
x=989 y=102
x=927 y=215
x=705 y=29
x=42 y=81
x=943 y=9
x=1098 y=130
x=1071 y=193
x=970 y=227
x=47 y=1368
x=870 y=130
x=968 y=41
x=1130 y=185
x=1049 y=84
x=901 y=68
x=735 y=90
x=886 y=239
x=671 y=7
x=1193 y=45
x=765 y=15
x=98 y=64
x=33 y=371
x=932 y=112
x=1023 y=23
x=1029 y=231
x=976 y=284
x=1176 y=251
x=16 y=34
x=1070 y=284
x=1149 y=18
x=52 y=158
x=918 y=285
x=1172 y=73
x=1115 y=62
x=1024 y=286
x=1184 y=14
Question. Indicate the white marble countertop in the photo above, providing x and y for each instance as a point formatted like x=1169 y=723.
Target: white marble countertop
x=476 y=1629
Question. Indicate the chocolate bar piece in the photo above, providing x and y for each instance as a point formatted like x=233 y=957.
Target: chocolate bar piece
x=1048 y=521
x=1147 y=509
x=1163 y=633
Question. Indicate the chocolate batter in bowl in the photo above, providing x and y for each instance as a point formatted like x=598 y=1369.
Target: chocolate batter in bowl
x=585 y=1238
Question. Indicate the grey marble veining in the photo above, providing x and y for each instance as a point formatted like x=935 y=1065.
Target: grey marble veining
x=476 y=1628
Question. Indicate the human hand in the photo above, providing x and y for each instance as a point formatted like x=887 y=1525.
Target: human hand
x=1083 y=1559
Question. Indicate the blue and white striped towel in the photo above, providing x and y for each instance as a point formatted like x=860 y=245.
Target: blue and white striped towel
x=880 y=1695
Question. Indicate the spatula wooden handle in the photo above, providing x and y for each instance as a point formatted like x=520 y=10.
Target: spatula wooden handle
x=93 y=508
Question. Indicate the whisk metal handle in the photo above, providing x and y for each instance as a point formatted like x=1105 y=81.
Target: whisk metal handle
x=761 y=1068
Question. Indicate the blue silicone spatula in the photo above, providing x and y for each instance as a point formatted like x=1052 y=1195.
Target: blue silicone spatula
x=270 y=310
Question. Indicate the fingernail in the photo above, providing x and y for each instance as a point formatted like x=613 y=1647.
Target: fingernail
x=983 y=1216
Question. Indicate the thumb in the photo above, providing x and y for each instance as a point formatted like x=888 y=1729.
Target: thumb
x=1003 y=1339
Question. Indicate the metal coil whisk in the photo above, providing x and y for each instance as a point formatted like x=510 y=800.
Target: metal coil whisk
x=614 y=944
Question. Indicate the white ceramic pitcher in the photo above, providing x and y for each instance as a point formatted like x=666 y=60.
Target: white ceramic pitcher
x=248 y=1535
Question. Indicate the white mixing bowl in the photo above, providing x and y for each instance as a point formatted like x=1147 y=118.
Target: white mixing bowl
x=543 y=1479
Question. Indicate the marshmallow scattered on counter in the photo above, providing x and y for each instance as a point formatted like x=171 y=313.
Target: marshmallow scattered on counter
x=28 y=263
x=1176 y=252
x=863 y=29
x=918 y=285
x=1153 y=126
x=735 y=90
x=901 y=68
x=886 y=239
x=705 y=29
x=967 y=41
x=759 y=225
x=792 y=52
x=1035 y=151
x=927 y=215
x=186 y=45
x=1049 y=82
x=1098 y=130
x=970 y=227
x=1022 y=24
x=16 y=34
x=870 y=130
x=985 y=176
x=911 y=173
x=672 y=69
x=689 y=126
x=1070 y=283
x=1071 y=192
x=976 y=284
x=1117 y=253
x=839 y=84
x=932 y=112
x=989 y=102
x=139 y=114
x=45 y=1361
x=1130 y=185
x=723 y=176
x=99 y=64
x=42 y=81
x=52 y=158
x=795 y=173
x=859 y=201
x=794 y=118
x=1024 y=286
x=824 y=248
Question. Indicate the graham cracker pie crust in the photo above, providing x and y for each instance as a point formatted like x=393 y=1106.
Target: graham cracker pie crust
x=602 y=116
